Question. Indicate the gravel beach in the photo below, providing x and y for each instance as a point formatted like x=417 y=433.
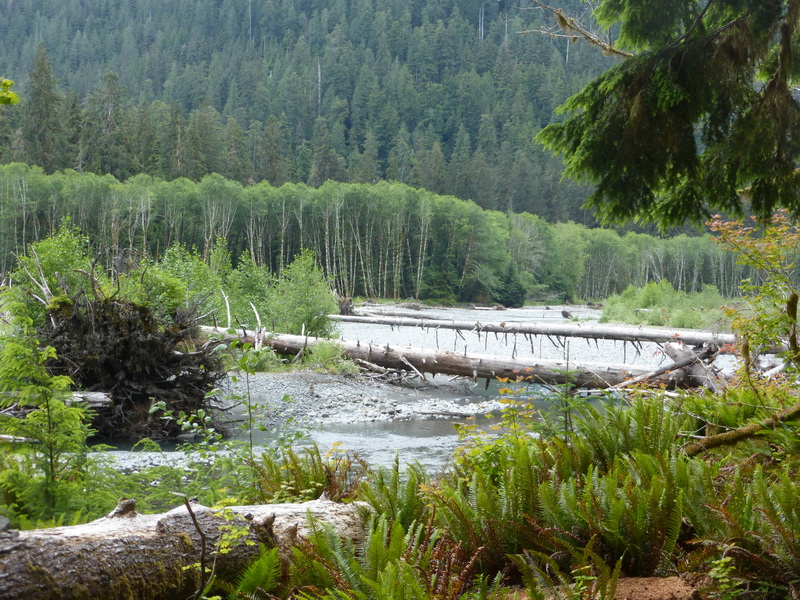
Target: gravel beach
x=312 y=398
x=360 y=410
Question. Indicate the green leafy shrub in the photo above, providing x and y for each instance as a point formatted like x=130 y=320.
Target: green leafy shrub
x=203 y=285
x=301 y=300
x=660 y=304
x=330 y=358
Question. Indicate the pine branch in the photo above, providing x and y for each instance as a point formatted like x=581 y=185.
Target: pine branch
x=694 y=25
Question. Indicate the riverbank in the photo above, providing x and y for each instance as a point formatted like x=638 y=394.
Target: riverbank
x=310 y=398
x=372 y=417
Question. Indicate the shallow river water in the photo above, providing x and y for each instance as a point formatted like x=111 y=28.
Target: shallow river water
x=432 y=440
x=379 y=422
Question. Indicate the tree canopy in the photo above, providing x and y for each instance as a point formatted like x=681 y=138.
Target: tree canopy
x=701 y=117
x=301 y=91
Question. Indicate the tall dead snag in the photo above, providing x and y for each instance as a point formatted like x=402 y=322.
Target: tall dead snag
x=127 y=555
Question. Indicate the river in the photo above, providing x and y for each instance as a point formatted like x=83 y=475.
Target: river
x=432 y=440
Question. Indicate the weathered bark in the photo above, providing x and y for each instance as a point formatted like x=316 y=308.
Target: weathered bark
x=596 y=331
x=128 y=555
x=693 y=367
x=15 y=439
x=477 y=366
x=345 y=306
x=737 y=435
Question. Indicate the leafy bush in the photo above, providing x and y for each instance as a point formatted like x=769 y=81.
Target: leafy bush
x=301 y=300
x=203 y=285
x=660 y=304
x=330 y=358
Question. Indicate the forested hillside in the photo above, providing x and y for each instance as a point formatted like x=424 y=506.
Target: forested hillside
x=440 y=94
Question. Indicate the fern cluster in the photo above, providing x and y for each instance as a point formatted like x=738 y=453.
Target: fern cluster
x=565 y=515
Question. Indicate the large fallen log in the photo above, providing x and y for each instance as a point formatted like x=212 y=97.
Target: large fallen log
x=476 y=366
x=595 y=331
x=88 y=399
x=131 y=555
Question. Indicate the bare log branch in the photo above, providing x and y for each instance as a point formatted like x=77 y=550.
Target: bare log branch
x=573 y=29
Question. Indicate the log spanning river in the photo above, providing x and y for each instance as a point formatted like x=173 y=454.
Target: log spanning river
x=419 y=425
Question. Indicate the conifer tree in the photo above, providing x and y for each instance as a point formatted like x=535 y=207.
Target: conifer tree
x=327 y=163
x=699 y=109
x=235 y=164
x=366 y=168
x=275 y=152
x=400 y=158
x=105 y=129
x=73 y=117
x=42 y=129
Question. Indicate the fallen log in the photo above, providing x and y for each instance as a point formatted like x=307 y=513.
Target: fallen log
x=131 y=555
x=15 y=439
x=699 y=372
x=88 y=399
x=736 y=435
x=476 y=366
x=595 y=331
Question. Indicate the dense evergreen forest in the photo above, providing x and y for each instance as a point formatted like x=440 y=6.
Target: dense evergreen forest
x=441 y=95
x=395 y=140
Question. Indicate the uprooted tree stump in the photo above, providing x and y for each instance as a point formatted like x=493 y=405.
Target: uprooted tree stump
x=131 y=555
x=125 y=350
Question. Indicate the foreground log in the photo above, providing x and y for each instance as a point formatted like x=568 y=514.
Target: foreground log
x=130 y=555
x=594 y=331
x=88 y=399
x=476 y=366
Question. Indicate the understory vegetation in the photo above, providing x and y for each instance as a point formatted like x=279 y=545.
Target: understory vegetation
x=661 y=304
x=614 y=494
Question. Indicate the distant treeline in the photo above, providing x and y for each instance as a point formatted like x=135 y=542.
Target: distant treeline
x=446 y=95
x=384 y=240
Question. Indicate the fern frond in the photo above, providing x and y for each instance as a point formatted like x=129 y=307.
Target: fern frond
x=260 y=577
